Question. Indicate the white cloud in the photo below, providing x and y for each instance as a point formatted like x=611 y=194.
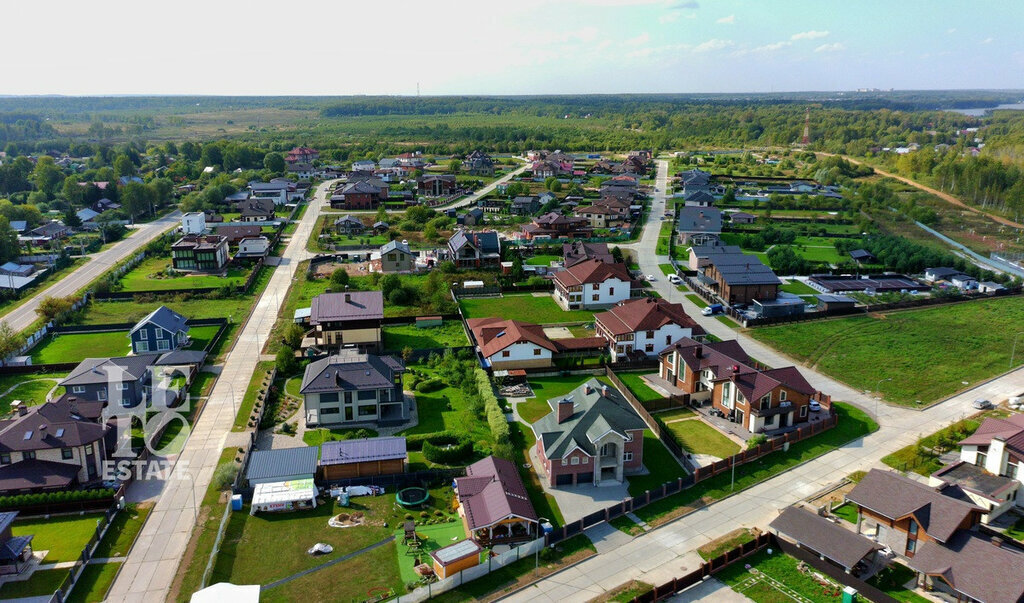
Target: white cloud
x=951 y=30
x=639 y=40
x=834 y=47
x=669 y=17
x=772 y=47
x=712 y=44
x=690 y=5
x=730 y=20
x=986 y=41
x=809 y=35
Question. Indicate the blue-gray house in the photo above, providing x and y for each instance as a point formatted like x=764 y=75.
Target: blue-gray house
x=162 y=331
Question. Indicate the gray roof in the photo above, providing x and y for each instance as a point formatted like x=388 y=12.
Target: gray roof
x=700 y=196
x=707 y=251
x=822 y=536
x=268 y=186
x=361 y=450
x=486 y=242
x=181 y=357
x=973 y=565
x=454 y=552
x=751 y=272
x=166 y=319
x=975 y=479
x=282 y=462
x=593 y=415
x=396 y=246
x=50 y=425
x=699 y=219
x=95 y=371
x=353 y=305
x=348 y=218
x=12 y=549
x=350 y=370
x=828 y=298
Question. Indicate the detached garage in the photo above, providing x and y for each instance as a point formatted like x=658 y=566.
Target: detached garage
x=367 y=457
x=282 y=465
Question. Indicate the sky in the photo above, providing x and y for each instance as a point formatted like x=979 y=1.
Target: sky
x=345 y=47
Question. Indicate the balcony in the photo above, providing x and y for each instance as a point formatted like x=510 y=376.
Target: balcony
x=608 y=461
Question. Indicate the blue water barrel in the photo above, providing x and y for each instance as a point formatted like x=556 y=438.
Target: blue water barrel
x=236 y=502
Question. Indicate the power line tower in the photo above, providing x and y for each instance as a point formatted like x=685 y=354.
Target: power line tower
x=806 y=140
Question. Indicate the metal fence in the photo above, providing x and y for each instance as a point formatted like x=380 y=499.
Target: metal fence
x=75 y=572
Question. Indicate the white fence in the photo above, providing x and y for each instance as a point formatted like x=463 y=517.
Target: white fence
x=493 y=563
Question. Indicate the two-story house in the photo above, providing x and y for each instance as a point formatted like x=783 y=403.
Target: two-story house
x=436 y=185
x=257 y=209
x=524 y=206
x=644 y=327
x=360 y=195
x=593 y=284
x=592 y=435
x=554 y=225
x=202 y=253
x=352 y=318
x=698 y=225
x=395 y=256
x=302 y=155
x=349 y=225
x=758 y=398
x=162 y=330
x=578 y=251
x=478 y=163
x=351 y=387
x=124 y=381
x=513 y=344
x=997 y=449
x=475 y=249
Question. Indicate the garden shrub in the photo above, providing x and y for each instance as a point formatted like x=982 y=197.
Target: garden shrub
x=503 y=446
x=430 y=385
x=447 y=449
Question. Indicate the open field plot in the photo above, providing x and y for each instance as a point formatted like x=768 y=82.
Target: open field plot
x=74 y=347
x=63 y=537
x=778 y=580
x=945 y=343
x=543 y=260
x=528 y=308
x=30 y=389
x=923 y=457
x=42 y=583
x=698 y=437
x=432 y=537
x=449 y=335
x=798 y=288
x=661 y=466
x=639 y=387
x=152 y=274
x=93 y=584
x=106 y=312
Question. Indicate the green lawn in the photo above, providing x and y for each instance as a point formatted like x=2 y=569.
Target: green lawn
x=943 y=343
x=42 y=582
x=661 y=466
x=540 y=310
x=853 y=424
x=547 y=388
x=847 y=512
x=123 y=531
x=32 y=391
x=629 y=591
x=64 y=537
x=726 y=543
x=725 y=320
x=667 y=269
x=924 y=460
x=698 y=437
x=249 y=397
x=446 y=409
x=107 y=312
x=433 y=537
x=639 y=387
x=891 y=581
x=543 y=260
x=151 y=275
x=316 y=437
x=783 y=570
x=73 y=347
x=676 y=413
x=696 y=299
x=448 y=335
x=543 y=503
x=93 y=584
x=1016 y=531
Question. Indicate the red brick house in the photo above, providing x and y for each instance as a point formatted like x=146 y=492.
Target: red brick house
x=555 y=225
x=758 y=398
x=362 y=194
x=591 y=435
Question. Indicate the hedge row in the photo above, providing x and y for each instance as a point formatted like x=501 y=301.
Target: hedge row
x=447 y=449
x=415 y=442
x=51 y=498
x=430 y=385
x=503 y=446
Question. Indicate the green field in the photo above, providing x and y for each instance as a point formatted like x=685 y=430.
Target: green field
x=42 y=583
x=949 y=345
x=774 y=573
x=151 y=275
x=32 y=391
x=697 y=300
x=543 y=260
x=698 y=437
x=924 y=459
x=63 y=537
x=639 y=387
x=798 y=288
x=74 y=347
x=540 y=310
x=107 y=312
x=546 y=388
x=448 y=335
x=661 y=466
x=93 y=584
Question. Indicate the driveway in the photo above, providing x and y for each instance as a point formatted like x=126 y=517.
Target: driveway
x=709 y=591
x=577 y=502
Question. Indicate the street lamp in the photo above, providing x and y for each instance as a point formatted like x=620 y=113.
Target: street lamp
x=878 y=394
x=1014 y=351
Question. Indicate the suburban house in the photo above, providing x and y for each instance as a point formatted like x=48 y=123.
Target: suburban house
x=395 y=256
x=348 y=319
x=436 y=185
x=643 y=327
x=257 y=209
x=997 y=448
x=475 y=249
x=935 y=531
x=524 y=206
x=605 y=213
x=15 y=551
x=472 y=217
x=698 y=225
x=236 y=232
x=162 y=330
x=364 y=165
x=351 y=387
x=863 y=256
x=591 y=435
x=349 y=225
x=54 y=230
x=253 y=247
x=303 y=171
x=50 y=447
x=703 y=255
x=578 y=251
x=758 y=398
x=125 y=381
x=695 y=178
x=194 y=222
x=360 y=195
x=699 y=198
x=302 y=155
x=739 y=278
x=363 y=457
x=478 y=163
x=554 y=225
x=205 y=253
x=742 y=217
x=494 y=504
x=277 y=192
x=513 y=344
x=593 y=284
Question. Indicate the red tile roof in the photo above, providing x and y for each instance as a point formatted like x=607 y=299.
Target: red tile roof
x=645 y=314
x=592 y=271
x=495 y=334
x=492 y=491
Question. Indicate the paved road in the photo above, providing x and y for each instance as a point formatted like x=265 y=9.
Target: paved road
x=471 y=199
x=669 y=551
x=22 y=317
x=149 y=571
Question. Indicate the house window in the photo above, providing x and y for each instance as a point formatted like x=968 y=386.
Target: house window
x=5 y=459
x=982 y=458
x=29 y=455
x=766 y=401
x=367 y=411
x=78 y=389
x=332 y=397
x=67 y=454
x=88 y=449
x=142 y=346
x=143 y=334
x=607 y=449
x=125 y=403
x=803 y=411
x=574 y=460
x=649 y=348
x=536 y=351
x=782 y=395
x=505 y=353
x=912 y=528
x=650 y=334
x=102 y=394
x=333 y=410
x=163 y=345
x=668 y=340
x=596 y=297
x=366 y=394
x=611 y=290
x=627 y=456
x=1011 y=470
x=122 y=387
x=565 y=462
x=911 y=547
x=586 y=460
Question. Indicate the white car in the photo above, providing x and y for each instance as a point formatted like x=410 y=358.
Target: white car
x=650 y=278
x=674 y=279
x=814 y=406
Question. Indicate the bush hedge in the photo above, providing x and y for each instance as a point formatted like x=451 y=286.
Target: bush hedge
x=430 y=385
x=503 y=446
x=51 y=498
x=415 y=441
x=447 y=449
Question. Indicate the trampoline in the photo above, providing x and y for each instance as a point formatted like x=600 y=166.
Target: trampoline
x=412 y=497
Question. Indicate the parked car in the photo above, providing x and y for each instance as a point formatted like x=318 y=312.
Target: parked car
x=712 y=309
x=981 y=404
x=814 y=405
x=650 y=278
x=674 y=279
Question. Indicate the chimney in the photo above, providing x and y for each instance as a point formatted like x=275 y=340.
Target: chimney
x=604 y=391
x=587 y=389
x=19 y=406
x=699 y=351
x=565 y=407
x=348 y=297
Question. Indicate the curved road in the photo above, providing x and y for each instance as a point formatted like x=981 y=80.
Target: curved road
x=480 y=193
x=23 y=316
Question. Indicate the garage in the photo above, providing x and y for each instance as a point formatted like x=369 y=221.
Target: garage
x=585 y=478
x=564 y=479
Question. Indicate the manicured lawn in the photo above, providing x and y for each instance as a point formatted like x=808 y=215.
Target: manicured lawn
x=1016 y=531
x=847 y=512
x=624 y=524
x=107 y=312
x=448 y=408
x=123 y=531
x=547 y=388
x=151 y=275
x=659 y=462
x=676 y=413
x=64 y=537
x=201 y=336
x=696 y=299
x=543 y=503
x=249 y=398
x=698 y=437
x=543 y=260
x=667 y=269
x=432 y=538
x=783 y=572
x=943 y=343
x=540 y=310
x=73 y=347
x=32 y=392
x=448 y=335
x=853 y=424
x=725 y=320
x=42 y=583
x=639 y=387
x=922 y=460
x=798 y=288
x=891 y=581
x=93 y=584
x=726 y=543
x=316 y=437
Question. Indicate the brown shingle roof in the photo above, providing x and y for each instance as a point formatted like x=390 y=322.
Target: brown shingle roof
x=492 y=491
x=975 y=567
x=592 y=271
x=645 y=314
x=495 y=334
x=822 y=536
